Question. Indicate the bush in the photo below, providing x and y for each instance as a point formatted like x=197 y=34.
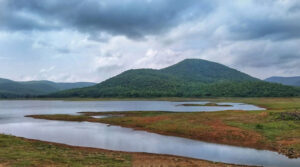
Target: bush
x=259 y=126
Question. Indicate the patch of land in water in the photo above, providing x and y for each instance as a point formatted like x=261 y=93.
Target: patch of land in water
x=206 y=104
x=15 y=151
x=256 y=129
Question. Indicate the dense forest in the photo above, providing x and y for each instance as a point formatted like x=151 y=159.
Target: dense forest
x=189 y=78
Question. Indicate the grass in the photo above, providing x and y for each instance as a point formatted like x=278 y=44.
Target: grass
x=206 y=104
x=16 y=151
x=20 y=152
x=274 y=129
x=62 y=117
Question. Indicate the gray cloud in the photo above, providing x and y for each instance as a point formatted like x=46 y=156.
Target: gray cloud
x=268 y=58
x=274 y=29
x=133 y=18
x=93 y=39
x=256 y=19
x=136 y=18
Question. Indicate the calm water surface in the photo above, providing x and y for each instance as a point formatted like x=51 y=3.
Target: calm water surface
x=12 y=121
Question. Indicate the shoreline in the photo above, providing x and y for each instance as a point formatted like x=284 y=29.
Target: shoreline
x=92 y=120
x=270 y=104
x=287 y=144
x=138 y=158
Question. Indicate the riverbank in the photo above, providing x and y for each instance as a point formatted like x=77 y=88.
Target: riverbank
x=15 y=151
x=272 y=129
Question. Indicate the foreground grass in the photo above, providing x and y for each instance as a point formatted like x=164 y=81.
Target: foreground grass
x=20 y=152
x=276 y=128
x=23 y=152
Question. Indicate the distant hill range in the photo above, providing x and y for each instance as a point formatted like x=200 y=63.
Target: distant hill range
x=188 y=78
x=292 y=81
x=13 y=89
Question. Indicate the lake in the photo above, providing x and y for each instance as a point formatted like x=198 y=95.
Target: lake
x=98 y=135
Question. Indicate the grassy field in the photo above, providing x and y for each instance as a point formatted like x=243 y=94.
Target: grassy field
x=23 y=152
x=277 y=128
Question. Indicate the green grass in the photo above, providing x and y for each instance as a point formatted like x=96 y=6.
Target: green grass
x=20 y=152
x=271 y=126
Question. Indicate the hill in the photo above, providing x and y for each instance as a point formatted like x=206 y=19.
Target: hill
x=11 y=89
x=292 y=81
x=189 y=78
x=205 y=71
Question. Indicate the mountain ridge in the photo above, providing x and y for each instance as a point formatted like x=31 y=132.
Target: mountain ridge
x=11 y=89
x=188 y=78
x=291 y=81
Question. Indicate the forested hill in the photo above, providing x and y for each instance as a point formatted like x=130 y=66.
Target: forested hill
x=189 y=78
x=14 y=89
x=205 y=71
x=292 y=81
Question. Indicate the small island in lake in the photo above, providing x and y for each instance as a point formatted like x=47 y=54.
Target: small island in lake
x=206 y=104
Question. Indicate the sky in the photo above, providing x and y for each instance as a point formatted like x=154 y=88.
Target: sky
x=92 y=40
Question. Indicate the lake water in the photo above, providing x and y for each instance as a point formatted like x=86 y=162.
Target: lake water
x=12 y=121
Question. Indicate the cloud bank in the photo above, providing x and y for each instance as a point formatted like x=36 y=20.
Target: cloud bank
x=93 y=40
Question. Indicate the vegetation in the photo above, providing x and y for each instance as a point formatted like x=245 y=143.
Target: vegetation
x=20 y=152
x=189 y=78
x=289 y=116
x=292 y=81
x=23 y=152
x=13 y=89
x=207 y=104
x=205 y=71
x=274 y=129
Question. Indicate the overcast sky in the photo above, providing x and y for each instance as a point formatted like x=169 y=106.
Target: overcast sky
x=92 y=40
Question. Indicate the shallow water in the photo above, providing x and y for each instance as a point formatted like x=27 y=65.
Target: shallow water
x=12 y=121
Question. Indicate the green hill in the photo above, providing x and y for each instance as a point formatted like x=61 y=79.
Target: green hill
x=12 y=89
x=205 y=71
x=189 y=78
x=291 y=81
